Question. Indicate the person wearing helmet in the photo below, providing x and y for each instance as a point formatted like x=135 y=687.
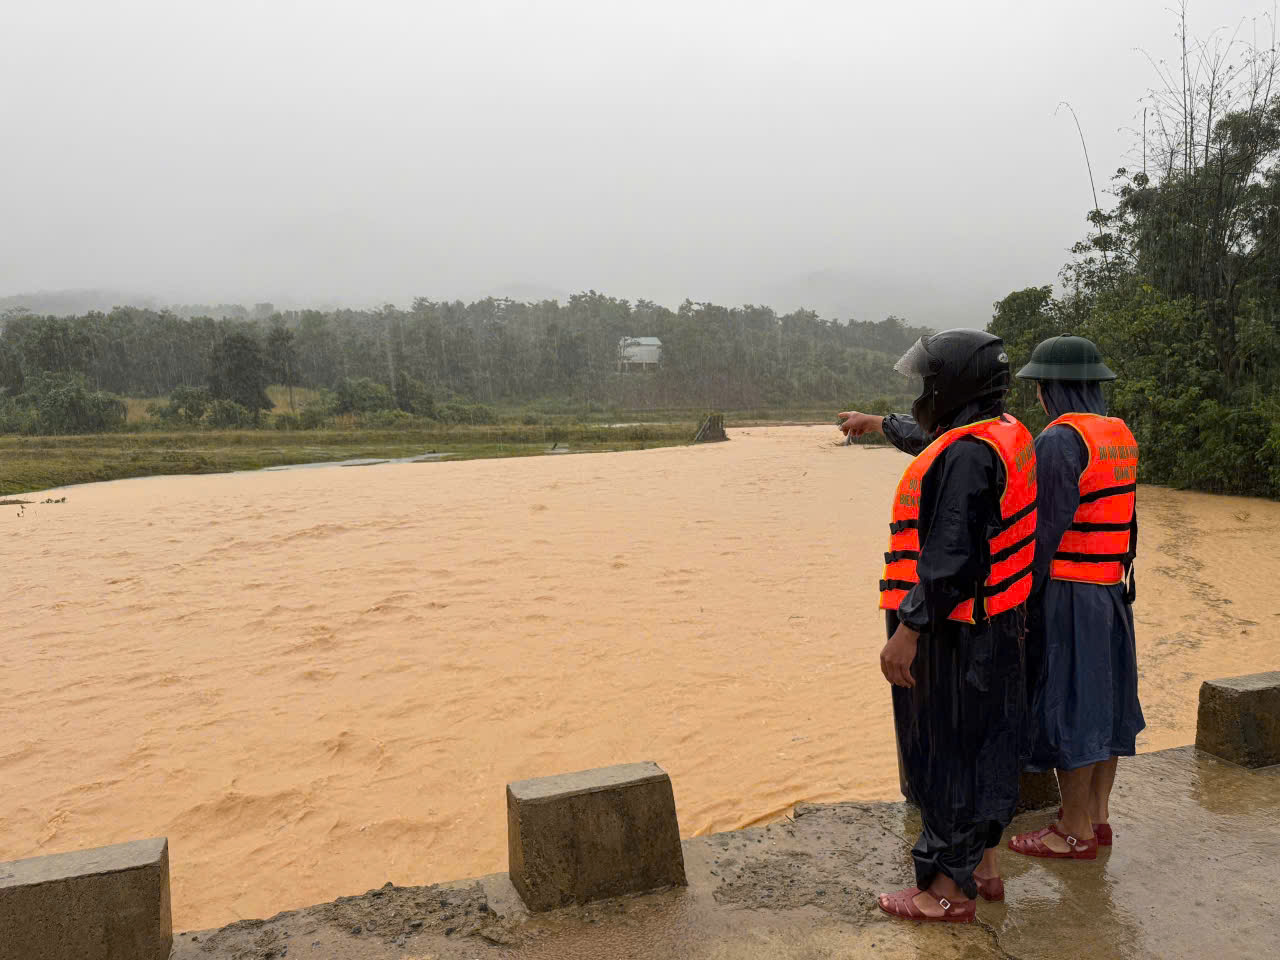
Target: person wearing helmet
x=1085 y=711
x=958 y=569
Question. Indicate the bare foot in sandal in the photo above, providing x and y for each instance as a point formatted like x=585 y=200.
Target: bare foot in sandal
x=944 y=901
x=1055 y=843
x=987 y=876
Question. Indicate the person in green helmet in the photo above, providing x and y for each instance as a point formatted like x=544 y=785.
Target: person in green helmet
x=1085 y=711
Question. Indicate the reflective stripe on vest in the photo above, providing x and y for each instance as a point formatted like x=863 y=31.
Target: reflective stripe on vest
x=1012 y=549
x=1096 y=547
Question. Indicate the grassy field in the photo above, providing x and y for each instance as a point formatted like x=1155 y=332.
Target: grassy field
x=137 y=407
x=146 y=448
x=41 y=463
x=137 y=412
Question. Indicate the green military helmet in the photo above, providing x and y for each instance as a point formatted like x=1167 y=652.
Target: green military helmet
x=1066 y=358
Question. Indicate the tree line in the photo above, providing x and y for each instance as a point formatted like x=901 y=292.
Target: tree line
x=438 y=359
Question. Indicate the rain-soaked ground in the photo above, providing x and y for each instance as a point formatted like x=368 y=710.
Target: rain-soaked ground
x=1192 y=874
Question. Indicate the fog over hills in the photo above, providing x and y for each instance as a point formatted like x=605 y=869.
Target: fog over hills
x=832 y=294
x=858 y=159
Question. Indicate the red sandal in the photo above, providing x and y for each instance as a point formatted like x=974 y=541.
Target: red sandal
x=902 y=905
x=990 y=889
x=1100 y=830
x=1033 y=845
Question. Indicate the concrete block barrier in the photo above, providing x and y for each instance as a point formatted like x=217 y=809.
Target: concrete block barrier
x=109 y=903
x=600 y=833
x=1239 y=719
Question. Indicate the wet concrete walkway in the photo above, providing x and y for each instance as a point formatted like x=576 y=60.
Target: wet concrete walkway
x=1191 y=875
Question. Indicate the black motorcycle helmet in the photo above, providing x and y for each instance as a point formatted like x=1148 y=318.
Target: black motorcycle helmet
x=958 y=367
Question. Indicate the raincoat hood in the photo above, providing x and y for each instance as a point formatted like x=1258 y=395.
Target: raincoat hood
x=986 y=408
x=1072 y=396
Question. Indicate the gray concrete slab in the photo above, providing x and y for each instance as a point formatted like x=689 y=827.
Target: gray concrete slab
x=1239 y=719
x=578 y=837
x=108 y=903
x=564 y=785
x=1190 y=876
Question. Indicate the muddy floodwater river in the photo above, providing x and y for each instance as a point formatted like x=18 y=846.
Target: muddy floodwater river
x=317 y=681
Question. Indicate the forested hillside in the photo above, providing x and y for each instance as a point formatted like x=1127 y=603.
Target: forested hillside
x=59 y=374
x=1179 y=279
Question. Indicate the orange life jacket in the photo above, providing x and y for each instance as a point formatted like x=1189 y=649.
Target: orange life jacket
x=1098 y=546
x=1011 y=550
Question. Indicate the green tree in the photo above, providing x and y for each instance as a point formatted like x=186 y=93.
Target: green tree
x=1179 y=282
x=1022 y=320
x=362 y=395
x=64 y=403
x=187 y=405
x=282 y=351
x=239 y=372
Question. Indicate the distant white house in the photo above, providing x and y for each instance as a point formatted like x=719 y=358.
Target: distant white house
x=639 y=353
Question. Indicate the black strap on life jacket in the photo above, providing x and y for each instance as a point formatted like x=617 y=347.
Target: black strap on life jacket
x=1099 y=527
x=1107 y=492
x=1009 y=551
x=895 y=585
x=979 y=607
x=1029 y=508
x=984 y=591
x=1091 y=557
x=1127 y=558
x=1131 y=592
x=1007 y=582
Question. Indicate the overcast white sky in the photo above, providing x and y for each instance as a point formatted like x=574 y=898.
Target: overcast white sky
x=860 y=156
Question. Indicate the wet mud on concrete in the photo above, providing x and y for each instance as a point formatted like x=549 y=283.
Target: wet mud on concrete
x=1191 y=875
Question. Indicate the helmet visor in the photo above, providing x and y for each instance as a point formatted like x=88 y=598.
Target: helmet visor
x=916 y=362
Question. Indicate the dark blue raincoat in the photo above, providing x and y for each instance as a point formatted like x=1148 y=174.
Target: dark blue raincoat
x=1080 y=645
x=962 y=727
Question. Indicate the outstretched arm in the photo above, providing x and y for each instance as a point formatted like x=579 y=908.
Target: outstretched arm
x=898 y=428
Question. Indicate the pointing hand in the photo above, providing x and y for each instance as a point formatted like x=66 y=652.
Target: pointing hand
x=855 y=424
